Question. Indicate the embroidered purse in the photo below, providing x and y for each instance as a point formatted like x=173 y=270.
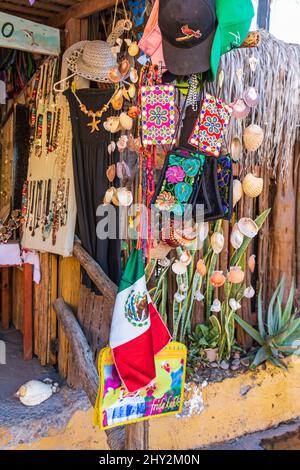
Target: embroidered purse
x=179 y=182
x=158 y=114
x=208 y=132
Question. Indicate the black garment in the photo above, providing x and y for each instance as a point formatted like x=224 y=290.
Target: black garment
x=90 y=162
x=21 y=156
x=208 y=195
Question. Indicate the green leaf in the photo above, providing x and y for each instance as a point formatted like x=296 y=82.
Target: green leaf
x=262 y=355
x=289 y=306
x=240 y=252
x=278 y=362
x=261 y=326
x=249 y=329
x=270 y=319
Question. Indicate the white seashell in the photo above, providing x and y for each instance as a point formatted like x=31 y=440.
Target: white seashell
x=216 y=306
x=164 y=263
x=237 y=192
x=253 y=137
x=186 y=258
x=249 y=292
x=203 y=231
x=248 y=227
x=236 y=149
x=34 y=392
x=179 y=268
x=111 y=147
x=252 y=185
x=134 y=76
x=109 y=195
x=122 y=143
x=234 y=305
x=179 y=297
x=221 y=78
x=199 y=296
x=236 y=238
x=126 y=121
x=217 y=242
x=127 y=41
x=125 y=197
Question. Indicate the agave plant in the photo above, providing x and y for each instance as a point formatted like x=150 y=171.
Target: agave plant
x=280 y=335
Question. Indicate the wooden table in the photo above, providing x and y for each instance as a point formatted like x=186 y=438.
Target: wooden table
x=27 y=305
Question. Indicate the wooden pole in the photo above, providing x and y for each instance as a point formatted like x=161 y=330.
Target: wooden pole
x=27 y=315
x=263 y=14
x=5 y=298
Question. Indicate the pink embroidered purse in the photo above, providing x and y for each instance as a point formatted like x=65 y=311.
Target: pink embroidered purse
x=158 y=114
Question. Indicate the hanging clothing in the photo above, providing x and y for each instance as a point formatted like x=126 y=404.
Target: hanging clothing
x=90 y=162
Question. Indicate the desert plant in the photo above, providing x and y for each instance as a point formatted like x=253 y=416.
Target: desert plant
x=280 y=335
x=203 y=338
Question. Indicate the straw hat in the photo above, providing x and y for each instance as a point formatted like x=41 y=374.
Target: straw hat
x=90 y=59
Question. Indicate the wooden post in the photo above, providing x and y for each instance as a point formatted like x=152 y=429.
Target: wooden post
x=27 y=312
x=137 y=436
x=263 y=14
x=5 y=298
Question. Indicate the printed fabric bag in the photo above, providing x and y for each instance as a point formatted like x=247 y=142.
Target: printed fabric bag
x=157 y=114
x=208 y=132
x=179 y=182
x=115 y=406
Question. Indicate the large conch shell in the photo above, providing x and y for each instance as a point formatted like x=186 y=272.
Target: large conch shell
x=237 y=192
x=252 y=185
x=126 y=121
x=217 y=242
x=236 y=237
x=236 y=149
x=253 y=137
x=248 y=227
x=34 y=392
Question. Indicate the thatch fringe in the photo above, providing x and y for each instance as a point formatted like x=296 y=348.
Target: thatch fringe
x=277 y=79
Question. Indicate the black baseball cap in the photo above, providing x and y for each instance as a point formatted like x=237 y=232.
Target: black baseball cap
x=188 y=28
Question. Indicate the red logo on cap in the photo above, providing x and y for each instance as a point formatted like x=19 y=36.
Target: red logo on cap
x=189 y=33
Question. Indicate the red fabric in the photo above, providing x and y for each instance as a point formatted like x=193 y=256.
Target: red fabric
x=135 y=360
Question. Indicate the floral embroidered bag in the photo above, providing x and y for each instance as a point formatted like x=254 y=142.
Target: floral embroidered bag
x=179 y=181
x=208 y=132
x=158 y=114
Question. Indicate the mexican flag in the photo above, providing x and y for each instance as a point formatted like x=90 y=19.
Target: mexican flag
x=137 y=331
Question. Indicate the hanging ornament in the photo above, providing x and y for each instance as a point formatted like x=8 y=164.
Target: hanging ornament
x=253 y=61
x=239 y=73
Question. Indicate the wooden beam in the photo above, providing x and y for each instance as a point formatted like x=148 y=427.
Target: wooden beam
x=5 y=298
x=86 y=368
x=24 y=10
x=36 y=19
x=96 y=274
x=38 y=4
x=27 y=312
x=80 y=10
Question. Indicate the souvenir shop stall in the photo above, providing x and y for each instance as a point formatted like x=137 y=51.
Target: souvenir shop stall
x=149 y=173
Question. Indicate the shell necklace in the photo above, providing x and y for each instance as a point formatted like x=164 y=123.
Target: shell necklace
x=96 y=116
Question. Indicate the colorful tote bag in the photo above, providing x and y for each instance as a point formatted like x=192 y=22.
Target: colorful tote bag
x=115 y=406
x=179 y=182
x=208 y=132
x=158 y=114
